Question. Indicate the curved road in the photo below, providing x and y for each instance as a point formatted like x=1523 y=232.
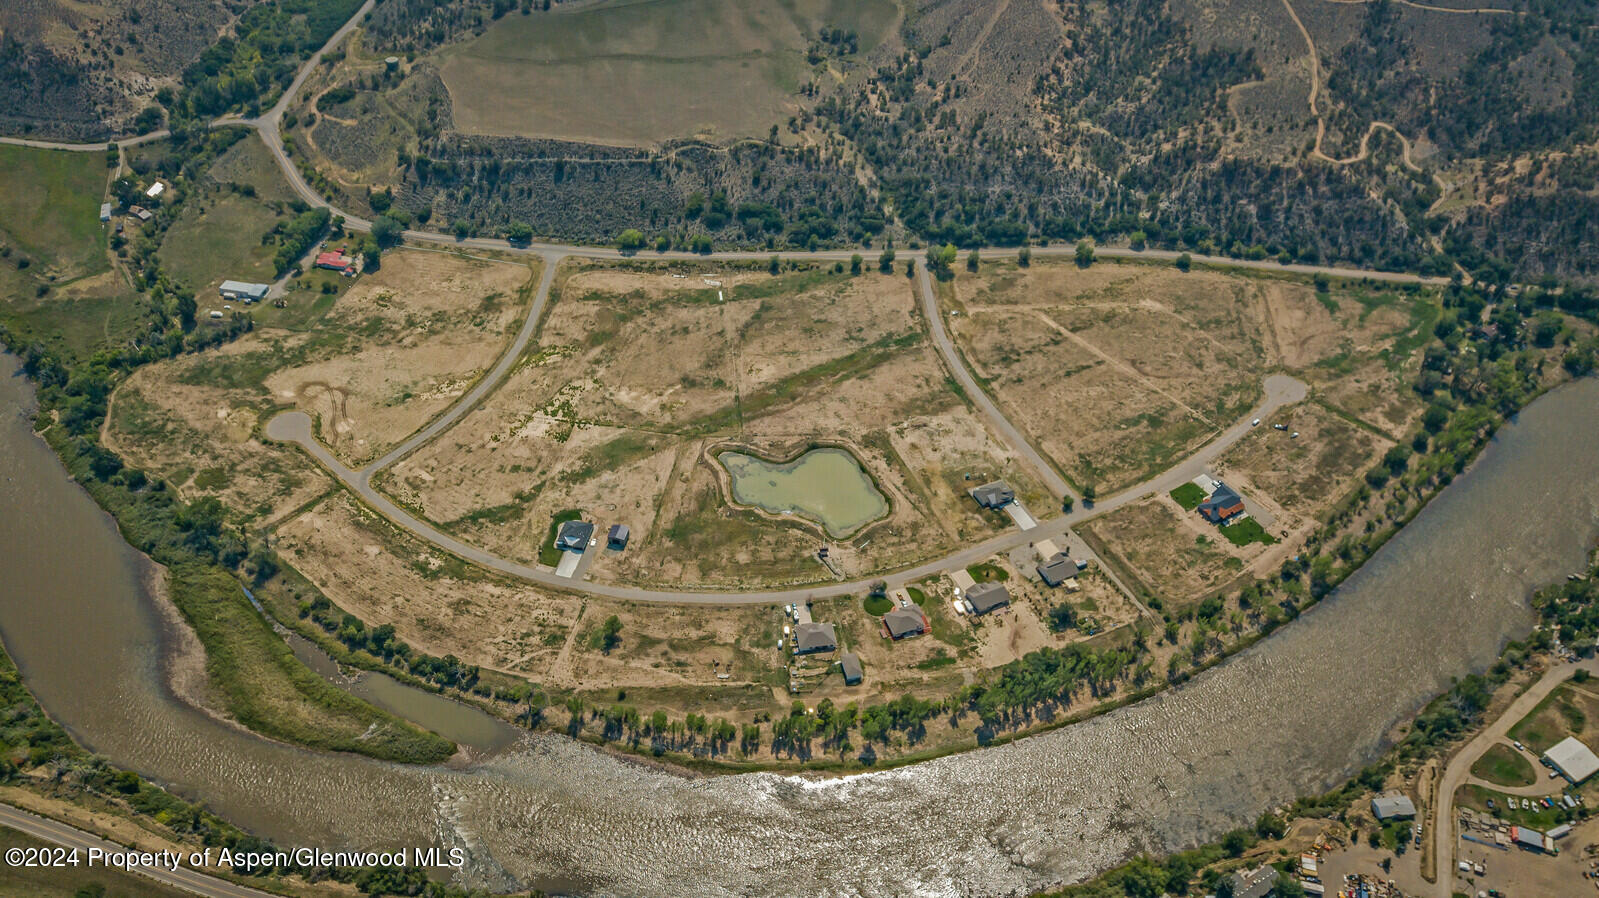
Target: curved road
x=185 y=878
x=1459 y=770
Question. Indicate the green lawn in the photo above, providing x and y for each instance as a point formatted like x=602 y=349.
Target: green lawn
x=1189 y=495
x=988 y=573
x=50 y=208
x=1505 y=766
x=878 y=605
x=548 y=554
x=1245 y=532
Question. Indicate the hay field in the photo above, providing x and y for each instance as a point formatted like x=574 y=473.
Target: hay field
x=645 y=72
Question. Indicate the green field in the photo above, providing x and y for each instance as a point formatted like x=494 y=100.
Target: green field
x=1504 y=766
x=878 y=606
x=635 y=72
x=223 y=242
x=1559 y=715
x=50 y=208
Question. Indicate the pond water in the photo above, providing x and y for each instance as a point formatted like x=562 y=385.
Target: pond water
x=827 y=486
x=1292 y=715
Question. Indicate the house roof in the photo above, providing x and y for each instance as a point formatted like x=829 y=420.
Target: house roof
x=1385 y=807
x=985 y=597
x=903 y=621
x=851 y=663
x=1529 y=837
x=993 y=495
x=1058 y=569
x=814 y=637
x=1254 y=883
x=333 y=258
x=1223 y=497
x=1575 y=760
x=246 y=288
x=574 y=535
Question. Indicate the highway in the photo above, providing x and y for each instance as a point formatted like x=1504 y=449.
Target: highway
x=184 y=878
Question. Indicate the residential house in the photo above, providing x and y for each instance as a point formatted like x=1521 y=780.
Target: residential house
x=993 y=495
x=1057 y=570
x=1222 y=505
x=574 y=536
x=811 y=637
x=985 y=597
x=905 y=621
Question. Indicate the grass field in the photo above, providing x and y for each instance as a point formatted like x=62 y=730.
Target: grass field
x=219 y=238
x=1247 y=531
x=1562 y=713
x=50 y=208
x=1505 y=766
x=878 y=605
x=643 y=72
x=78 y=881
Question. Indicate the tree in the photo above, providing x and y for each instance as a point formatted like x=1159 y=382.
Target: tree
x=630 y=239
x=519 y=232
x=1024 y=257
x=855 y=264
x=1066 y=505
x=387 y=231
x=775 y=265
x=885 y=262
x=462 y=228
x=611 y=633
x=1062 y=618
x=1184 y=262
x=1089 y=492
x=972 y=261
x=1085 y=254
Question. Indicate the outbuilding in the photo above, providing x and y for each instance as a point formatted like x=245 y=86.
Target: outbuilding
x=985 y=597
x=997 y=494
x=244 y=291
x=617 y=537
x=1392 y=807
x=1256 y=883
x=850 y=663
x=105 y=211
x=810 y=638
x=1575 y=761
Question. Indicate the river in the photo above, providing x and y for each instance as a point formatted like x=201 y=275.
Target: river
x=1295 y=714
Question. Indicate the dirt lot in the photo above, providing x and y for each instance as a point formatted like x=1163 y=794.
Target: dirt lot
x=1118 y=370
x=1175 y=554
x=373 y=365
x=1303 y=476
x=638 y=372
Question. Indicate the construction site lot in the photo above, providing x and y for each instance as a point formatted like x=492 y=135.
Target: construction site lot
x=639 y=73
x=725 y=660
x=371 y=366
x=1118 y=370
x=642 y=372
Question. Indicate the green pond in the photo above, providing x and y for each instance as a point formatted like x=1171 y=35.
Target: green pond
x=823 y=485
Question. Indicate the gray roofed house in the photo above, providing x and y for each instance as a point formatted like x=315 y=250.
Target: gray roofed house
x=244 y=290
x=905 y=621
x=1221 y=505
x=1388 y=807
x=1254 y=883
x=574 y=536
x=617 y=537
x=1058 y=569
x=814 y=637
x=993 y=495
x=985 y=597
x=851 y=665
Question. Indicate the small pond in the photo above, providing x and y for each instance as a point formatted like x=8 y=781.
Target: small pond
x=823 y=485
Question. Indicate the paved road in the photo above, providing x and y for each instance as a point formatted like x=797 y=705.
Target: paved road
x=184 y=878
x=485 y=385
x=1459 y=769
x=296 y=427
x=935 y=323
x=123 y=142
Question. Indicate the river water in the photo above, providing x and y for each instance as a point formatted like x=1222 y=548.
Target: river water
x=1295 y=714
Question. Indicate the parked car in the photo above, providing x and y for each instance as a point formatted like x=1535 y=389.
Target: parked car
x=1255 y=423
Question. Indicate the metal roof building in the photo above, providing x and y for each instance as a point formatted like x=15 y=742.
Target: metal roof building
x=244 y=290
x=1387 y=807
x=1575 y=761
x=1254 y=883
